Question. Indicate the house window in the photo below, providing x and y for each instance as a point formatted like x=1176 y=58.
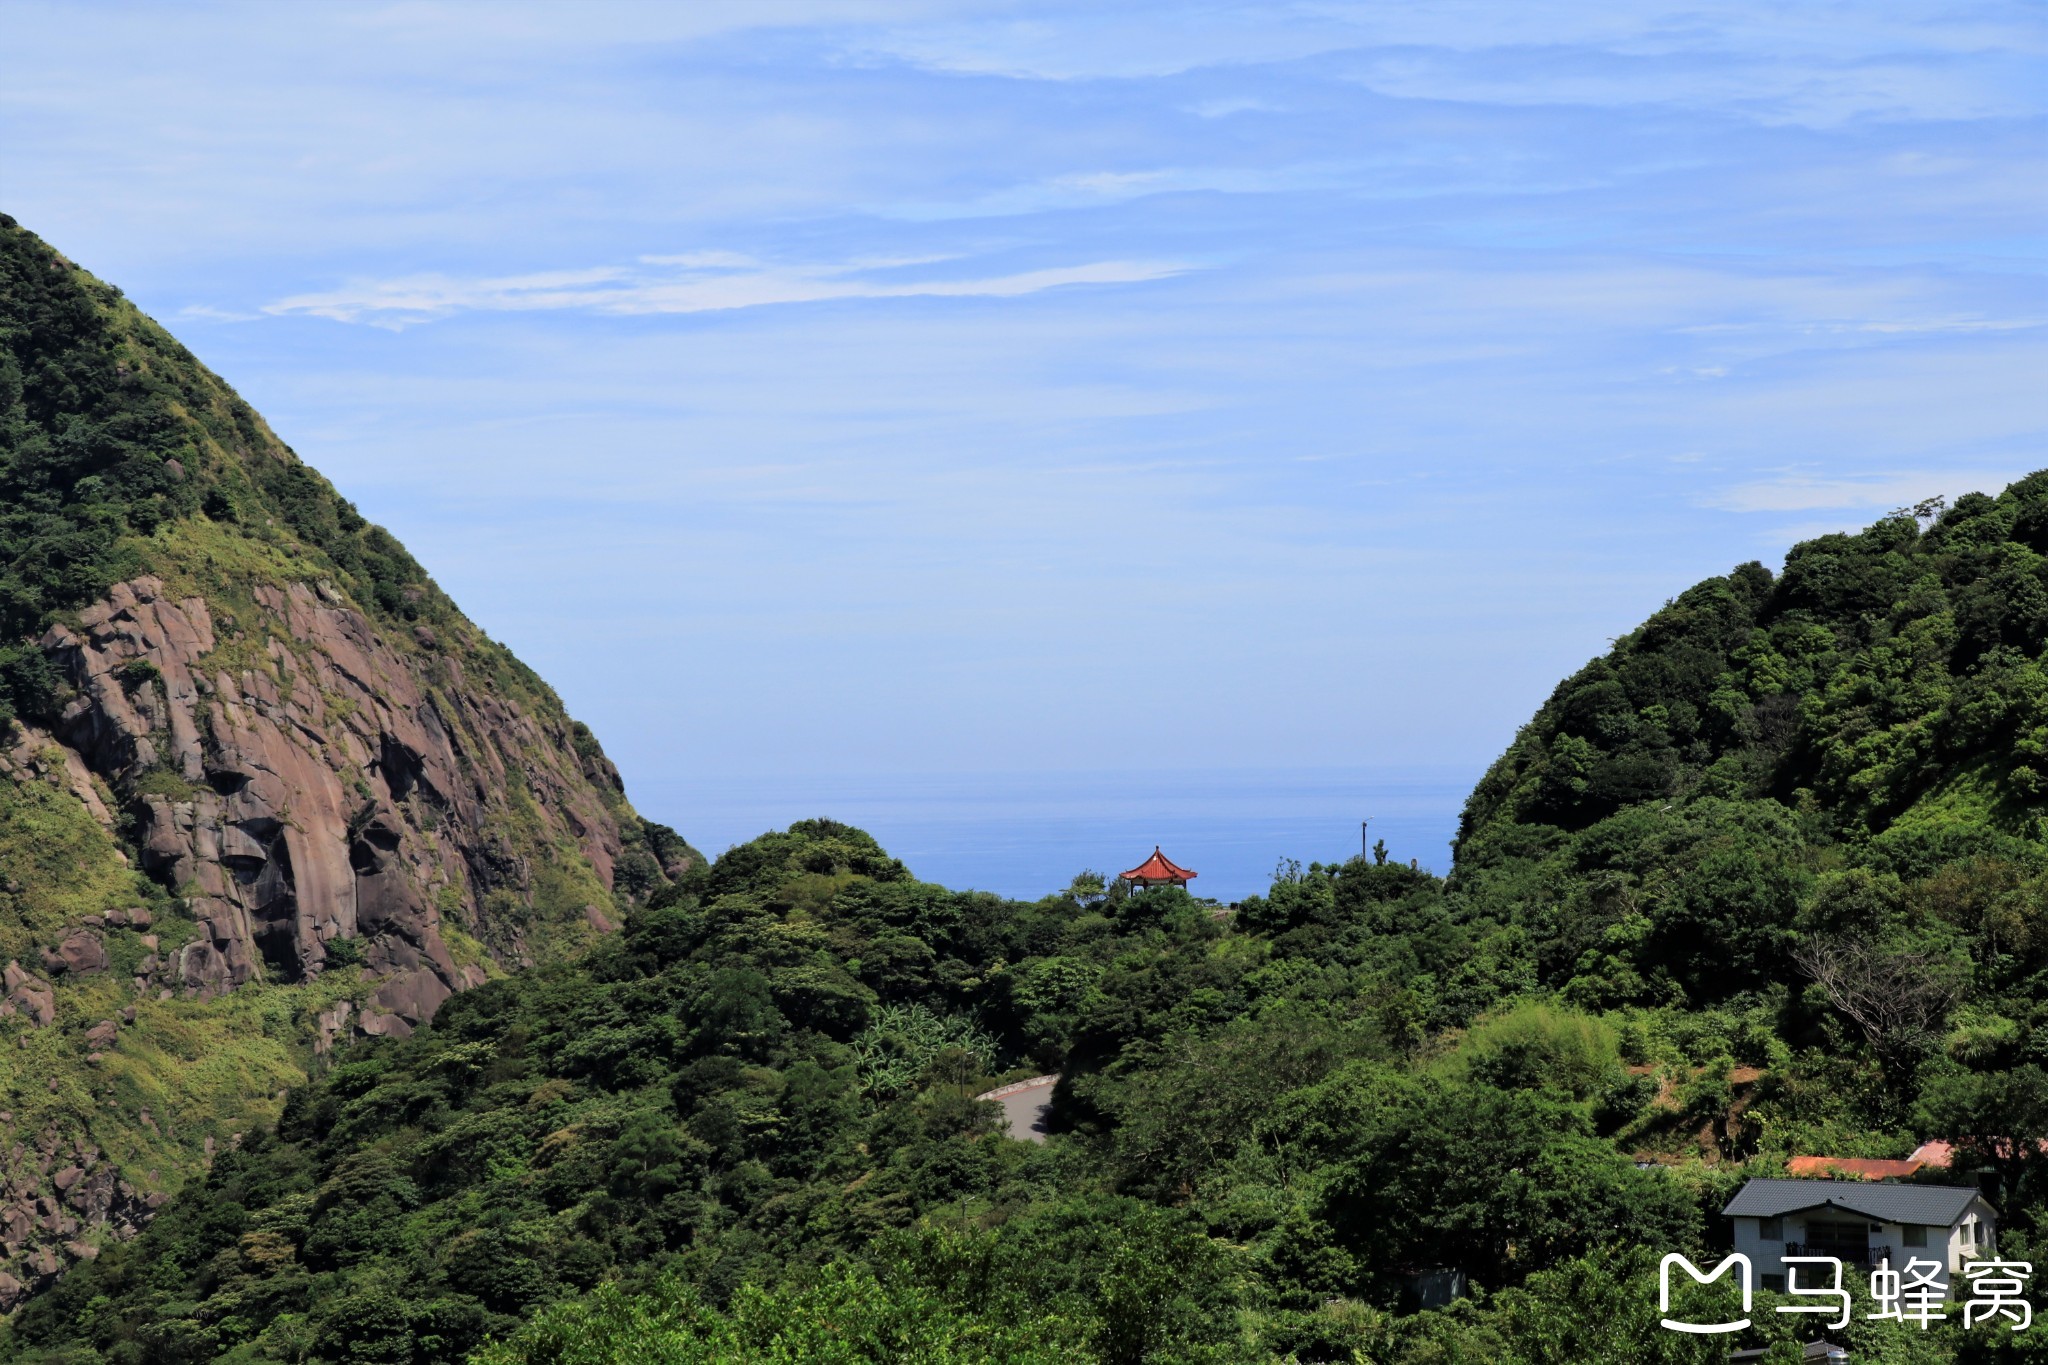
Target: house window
x=1970 y=1231
x=1914 y=1235
x=1771 y=1229
x=1845 y=1241
x=1774 y=1283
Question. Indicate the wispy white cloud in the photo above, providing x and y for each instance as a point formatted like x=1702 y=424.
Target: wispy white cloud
x=1225 y=106
x=1819 y=64
x=1962 y=323
x=1093 y=43
x=522 y=23
x=1802 y=492
x=1751 y=85
x=696 y=282
x=205 y=312
x=1512 y=290
x=1097 y=189
x=1415 y=171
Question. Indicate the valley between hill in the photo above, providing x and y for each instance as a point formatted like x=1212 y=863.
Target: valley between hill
x=354 y=1016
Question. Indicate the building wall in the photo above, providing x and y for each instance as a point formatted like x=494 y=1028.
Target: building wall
x=1766 y=1255
x=1763 y=1256
x=1986 y=1230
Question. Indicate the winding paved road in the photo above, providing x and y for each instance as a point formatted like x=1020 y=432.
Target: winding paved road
x=1024 y=1105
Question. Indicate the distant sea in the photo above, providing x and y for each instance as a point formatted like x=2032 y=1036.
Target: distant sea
x=1026 y=834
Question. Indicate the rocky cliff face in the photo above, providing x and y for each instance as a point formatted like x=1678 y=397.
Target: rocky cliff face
x=335 y=789
x=262 y=785
x=56 y=1198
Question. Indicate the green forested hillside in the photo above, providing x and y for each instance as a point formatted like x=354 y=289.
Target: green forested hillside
x=1793 y=800
x=262 y=785
x=110 y=433
x=1764 y=880
x=1768 y=878
x=770 y=1072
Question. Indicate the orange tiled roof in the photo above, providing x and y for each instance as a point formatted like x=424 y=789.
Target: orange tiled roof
x=1158 y=868
x=1934 y=1153
x=1941 y=1153
x=1864 y=1168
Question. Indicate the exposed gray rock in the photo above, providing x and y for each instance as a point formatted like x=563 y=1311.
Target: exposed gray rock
x=320 y=779
x=50 y=1206
x=282 y=846
x=82 y=953
x=29 y=995
x=329 y=1025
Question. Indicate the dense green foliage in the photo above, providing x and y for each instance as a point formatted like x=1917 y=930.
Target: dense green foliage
x=1252 y=1165
x=1855 y=746
x=1768 y=877
x=849 y=1316
x=111 y=431
x=745 y=1121
x=120 y=456
x=1805 y=811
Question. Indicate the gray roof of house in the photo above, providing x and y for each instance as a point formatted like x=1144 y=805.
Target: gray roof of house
x=1932 y=1205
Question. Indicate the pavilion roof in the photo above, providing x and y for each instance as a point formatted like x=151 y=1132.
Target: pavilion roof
x=1158 y=868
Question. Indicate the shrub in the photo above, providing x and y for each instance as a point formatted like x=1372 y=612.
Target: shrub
x=1538 y=1045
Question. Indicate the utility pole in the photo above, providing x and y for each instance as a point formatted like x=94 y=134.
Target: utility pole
x=1364 y=848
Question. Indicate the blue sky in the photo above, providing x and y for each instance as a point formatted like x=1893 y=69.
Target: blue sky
x=859 y=387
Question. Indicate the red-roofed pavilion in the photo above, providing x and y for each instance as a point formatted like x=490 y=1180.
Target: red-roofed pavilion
x=1158 y=870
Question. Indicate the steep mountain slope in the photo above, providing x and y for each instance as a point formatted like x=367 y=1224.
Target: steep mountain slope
x=1765 y=879
x=1768 y=877
x=1853 y=750
x=261 y=783
x=773 y=1069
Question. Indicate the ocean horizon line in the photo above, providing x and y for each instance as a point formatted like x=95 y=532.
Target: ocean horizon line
x=1025 y=835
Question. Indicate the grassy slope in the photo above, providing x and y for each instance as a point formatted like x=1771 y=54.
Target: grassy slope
x=1881 y=703
x=200 y=1069
x=96 y=403
x=1285 y=1111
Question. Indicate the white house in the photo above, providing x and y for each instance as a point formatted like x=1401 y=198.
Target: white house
x=1861 y=1223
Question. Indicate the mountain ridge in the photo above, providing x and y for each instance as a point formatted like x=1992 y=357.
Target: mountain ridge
x=743 y=1127
x=1881 y=703
x=260 y=703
